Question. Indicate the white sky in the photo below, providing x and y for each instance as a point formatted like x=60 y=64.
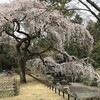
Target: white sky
x=3 y=1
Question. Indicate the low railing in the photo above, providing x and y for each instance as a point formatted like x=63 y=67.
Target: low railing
x=8 y=87
x=56 y=89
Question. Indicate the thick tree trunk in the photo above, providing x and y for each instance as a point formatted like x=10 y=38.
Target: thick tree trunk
x=0 y=66
x=21 y=66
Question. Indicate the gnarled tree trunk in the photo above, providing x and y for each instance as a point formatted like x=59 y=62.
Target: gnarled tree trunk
x=21 y=66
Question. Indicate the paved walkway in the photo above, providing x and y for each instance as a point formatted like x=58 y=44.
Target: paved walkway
x=34 y=90
x=84 y=91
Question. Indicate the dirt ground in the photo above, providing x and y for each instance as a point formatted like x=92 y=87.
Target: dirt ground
x=34 y=90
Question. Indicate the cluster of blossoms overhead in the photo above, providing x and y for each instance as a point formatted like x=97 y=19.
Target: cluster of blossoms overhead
x=40 y=15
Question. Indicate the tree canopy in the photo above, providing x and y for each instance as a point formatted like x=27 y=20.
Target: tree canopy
x=28 y=21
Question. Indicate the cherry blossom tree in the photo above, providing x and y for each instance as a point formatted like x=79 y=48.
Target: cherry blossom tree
x=26 y=21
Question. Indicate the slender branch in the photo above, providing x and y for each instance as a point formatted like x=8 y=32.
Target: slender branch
x=94 y=5
x=12 y=35
x=23 y=18
x=18 y=28
x=48 y=8
x=78 y=9
x=64 y=53
x=6 y=18
x=90 y=10
x=42 y=60
x=41 y=52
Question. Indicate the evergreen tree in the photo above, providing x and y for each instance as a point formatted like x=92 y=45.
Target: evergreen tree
x=94 y=28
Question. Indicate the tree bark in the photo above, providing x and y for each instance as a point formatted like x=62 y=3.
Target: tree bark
x=21 y=66
x=1 y=67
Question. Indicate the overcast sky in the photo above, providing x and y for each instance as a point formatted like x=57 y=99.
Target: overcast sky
x=3 y=1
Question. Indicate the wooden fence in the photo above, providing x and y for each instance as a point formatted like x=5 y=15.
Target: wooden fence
x=8 y=87
x=52 y=87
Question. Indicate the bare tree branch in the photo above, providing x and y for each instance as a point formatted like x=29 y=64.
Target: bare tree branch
x=42 y=60
x=12 y=35
x=94 y=5
x=18 y=28
x=93 y=13
x=63 y=53
x=78 y=9
x=23 y=18
x=6 y=18
x=41 y=52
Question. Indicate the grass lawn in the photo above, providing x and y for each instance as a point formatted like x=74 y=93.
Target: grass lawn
x=34 y=90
